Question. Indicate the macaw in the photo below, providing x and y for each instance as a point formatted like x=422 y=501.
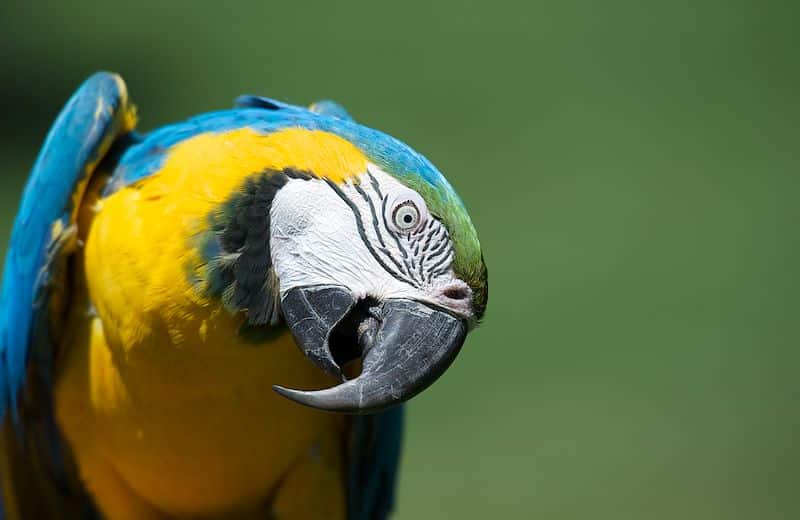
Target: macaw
x=158 y=287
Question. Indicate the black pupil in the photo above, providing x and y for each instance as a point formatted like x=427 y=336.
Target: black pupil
x=408 y=219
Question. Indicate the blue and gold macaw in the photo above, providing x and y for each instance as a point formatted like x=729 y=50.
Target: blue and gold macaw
x=157 y=288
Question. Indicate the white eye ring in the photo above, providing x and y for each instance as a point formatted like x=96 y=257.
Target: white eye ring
x=406 y=212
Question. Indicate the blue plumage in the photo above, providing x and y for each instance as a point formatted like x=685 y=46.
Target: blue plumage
x=79 y=137
x=267 y=115
x=374 y=459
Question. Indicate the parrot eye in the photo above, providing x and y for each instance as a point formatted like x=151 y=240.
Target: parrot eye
x=406 y=216
x=406 y=212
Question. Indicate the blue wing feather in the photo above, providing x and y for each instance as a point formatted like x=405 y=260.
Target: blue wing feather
x=374 y=459
x=77 y=141
x=79 y=137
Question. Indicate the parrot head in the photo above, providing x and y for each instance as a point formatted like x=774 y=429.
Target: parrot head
x=371 y=253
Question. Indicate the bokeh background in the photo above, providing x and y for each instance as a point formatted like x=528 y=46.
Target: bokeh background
x=632 y=169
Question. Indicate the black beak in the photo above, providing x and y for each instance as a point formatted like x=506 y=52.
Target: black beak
x=405 y=346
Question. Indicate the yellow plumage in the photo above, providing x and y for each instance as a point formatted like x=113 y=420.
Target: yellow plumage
x=167 y=409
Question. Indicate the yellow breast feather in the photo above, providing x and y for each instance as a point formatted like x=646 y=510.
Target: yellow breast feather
x=173 y=402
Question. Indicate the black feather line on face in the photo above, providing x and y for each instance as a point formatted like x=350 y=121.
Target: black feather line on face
x=377 y=189
x=375 y=225
x=443 y=244
x=403 y=267
x=442 y=265
x=237 y=249
x=430 y=242
x=357 y=214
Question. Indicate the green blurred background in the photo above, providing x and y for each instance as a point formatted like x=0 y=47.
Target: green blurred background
x=632 y=169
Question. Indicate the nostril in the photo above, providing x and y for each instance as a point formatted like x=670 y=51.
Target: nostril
x=456 y=293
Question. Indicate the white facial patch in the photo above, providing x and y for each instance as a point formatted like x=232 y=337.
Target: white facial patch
x=373 y=236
